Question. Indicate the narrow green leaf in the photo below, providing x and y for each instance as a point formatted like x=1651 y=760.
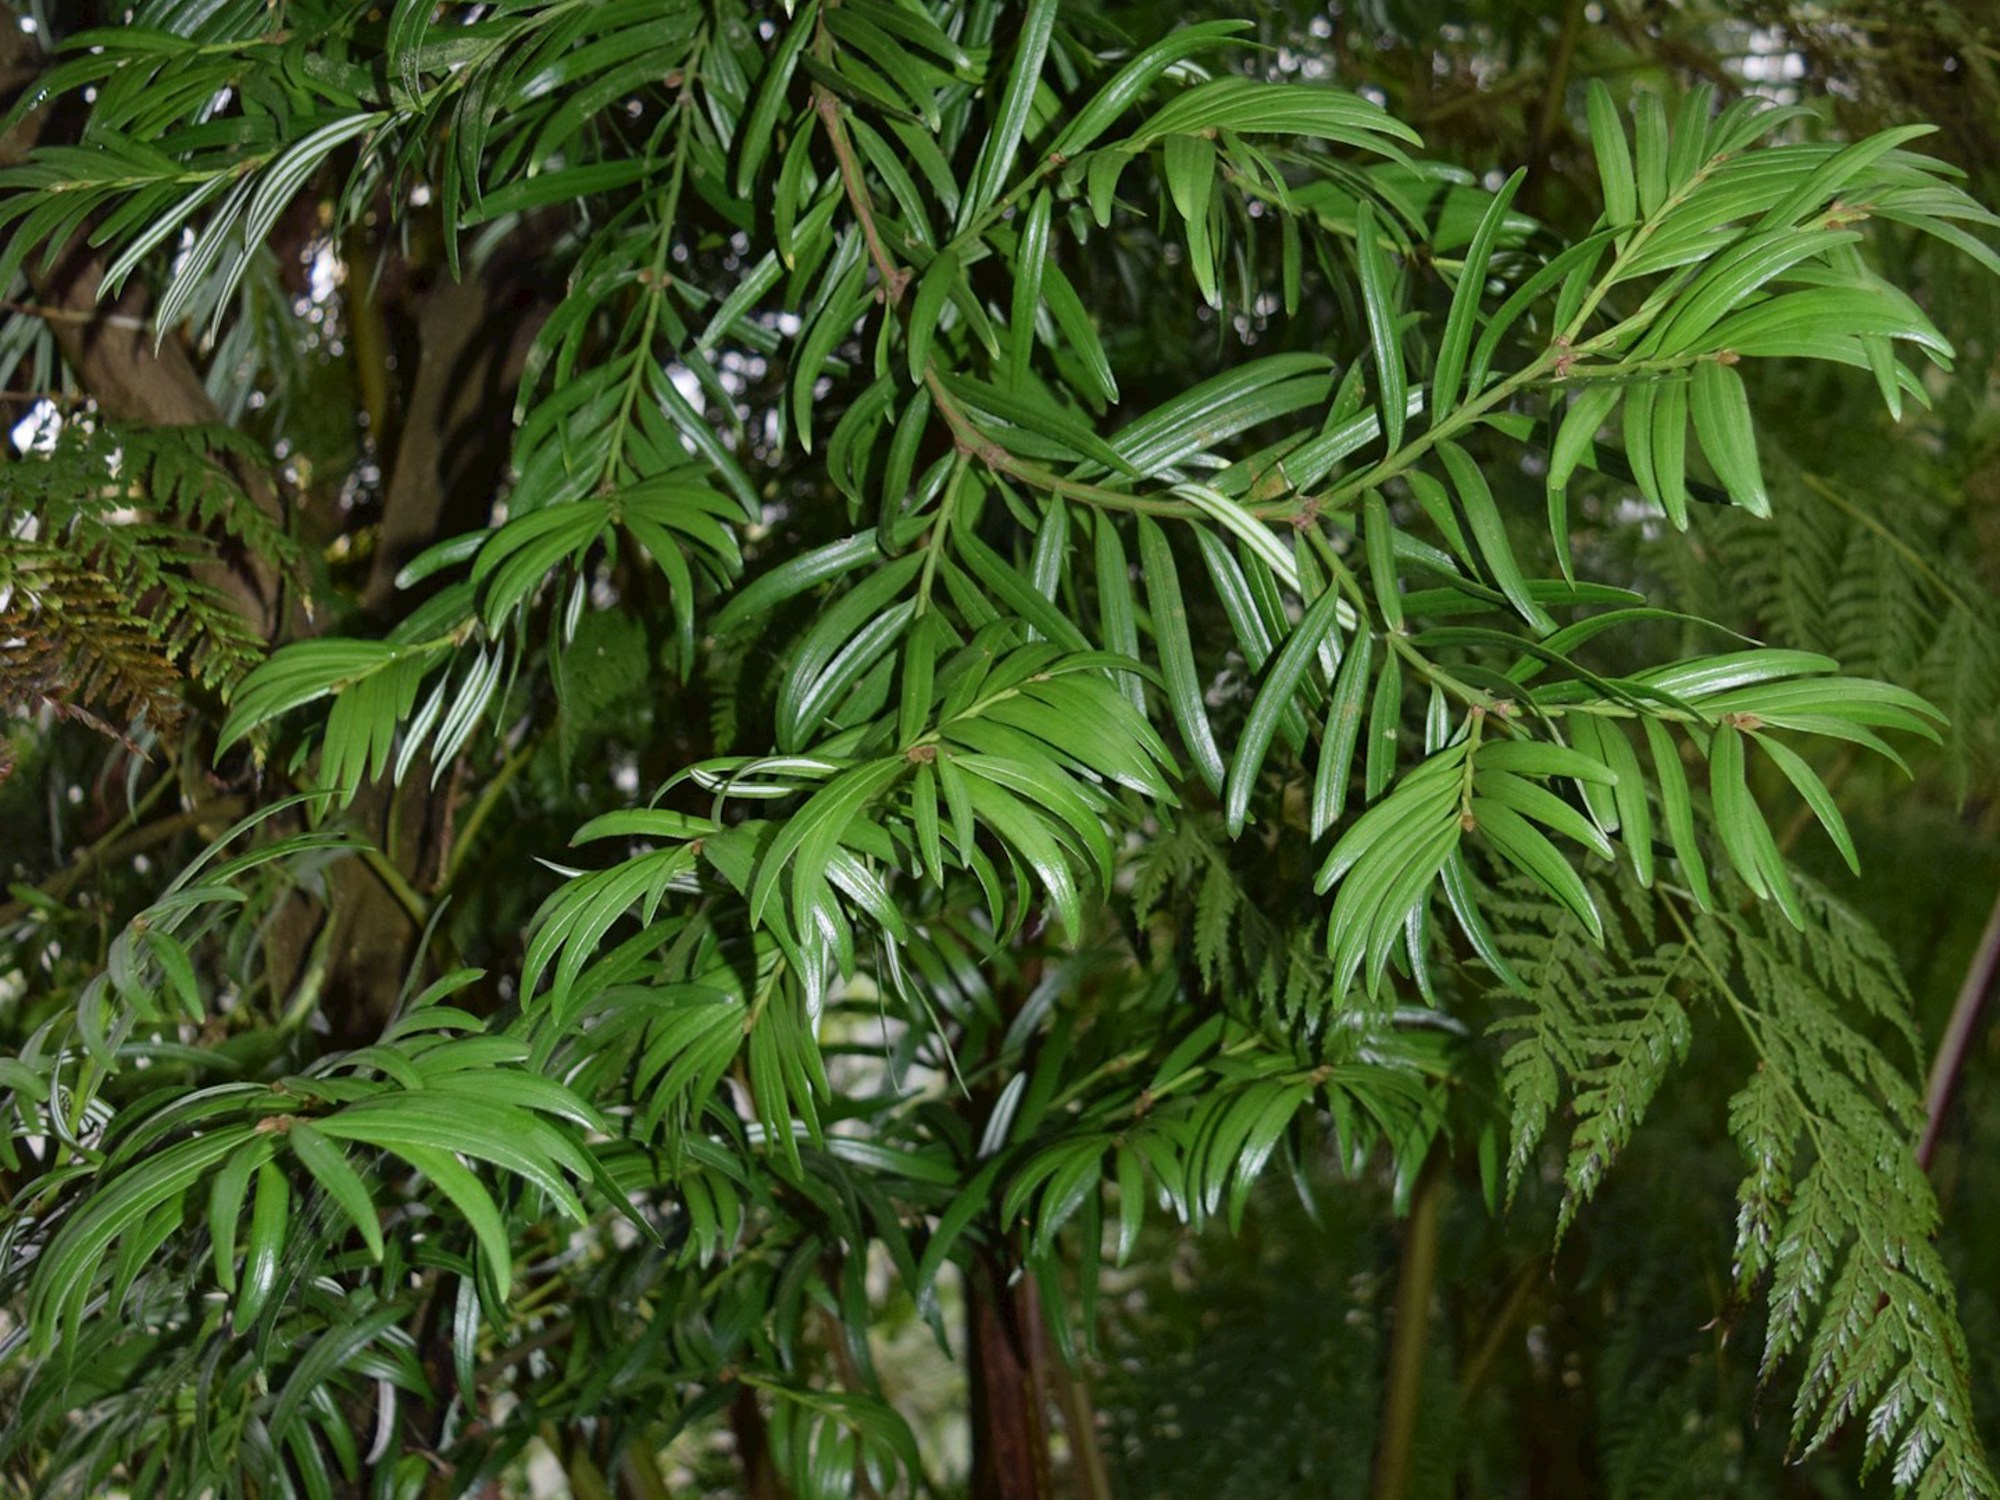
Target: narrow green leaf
x=1176 y=648
x=1385 y=716
x=1379 y=539
x=1342 y=734
x=789 y=197
x=1704 y=677
x=1574 y=439
x=1140 y=72
x=473 y=1203
x=1678 y=810
x=1840 y=169
x=1651 y=152
x=1599 y=783
x=1635 y=812
x=1465 y=910
x=831 y=808
x=330 y=1169
x=933 y=289
x=794 y=576
x=1117 y=618
x=1015 y=822
x=1489 y=534
x=996 y=154
x=1816 y=795
x=1722 y=424
x=1190 y=169
x=1638 y=434
x=1029 y=261
x=924 y=819
x=1537 y=802
x=1465 y=299
x=913 y=714
x=1533 y=855
x=1740 y=822
x=815 y=346
x=225 y=1206
x=1614 y=157
x=1669 y=449
x=1080 y=332
x=1275 y=694
x=1006 y=586
x=270 y=1220
x=1378 y=292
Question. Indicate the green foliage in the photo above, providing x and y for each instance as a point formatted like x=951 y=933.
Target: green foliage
x=1121 y=767
x=111 y=581
x=1821 y=1126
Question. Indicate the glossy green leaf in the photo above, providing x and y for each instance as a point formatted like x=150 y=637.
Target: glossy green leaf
x=1030 y=260
x=1185 y=697
x=1487 y=531
x=1010 y=118
x=329 y=1167
x=1281 y=683
x=1378 y=300
x=1517 y=841
x=1614 y=157
x=1728 y=438
x=1463 y=318
x=1343 y=732
x=1129 y=84
x=1816 y=796
x=270 y=1222
x=1678 y=811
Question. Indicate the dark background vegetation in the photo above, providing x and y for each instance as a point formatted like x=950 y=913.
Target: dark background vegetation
x=1246 y=1364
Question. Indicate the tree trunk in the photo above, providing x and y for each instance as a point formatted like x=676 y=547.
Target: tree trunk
x=753 y=1447
x=1010 y=1444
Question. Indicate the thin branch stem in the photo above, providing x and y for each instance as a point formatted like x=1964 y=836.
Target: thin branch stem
x=1957 y=1042
x=1402 y=1404
x=1473 y=1376
x=489 y=798
x=894 y=278
x=1089 y=1479
x=393 y=881
x=74 y=315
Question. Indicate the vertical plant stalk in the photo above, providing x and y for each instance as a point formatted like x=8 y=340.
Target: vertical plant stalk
x=1010 y=1440
x=368 y=332
x=1958 y=1033
x=1089 y=1479
x=1402 y=1397
x=639 y=1475
x=753 y=1447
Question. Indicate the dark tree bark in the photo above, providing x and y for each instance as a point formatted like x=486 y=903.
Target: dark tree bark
x=472 y=341
x=753 y=1448
x=1010 y=1441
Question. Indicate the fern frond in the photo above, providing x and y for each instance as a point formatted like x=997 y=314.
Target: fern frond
x=70 y=643
x=1833 y=1207
x=1192 y=876
x=1856 y=1284
x=107 y=607
x=1604 y=1025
